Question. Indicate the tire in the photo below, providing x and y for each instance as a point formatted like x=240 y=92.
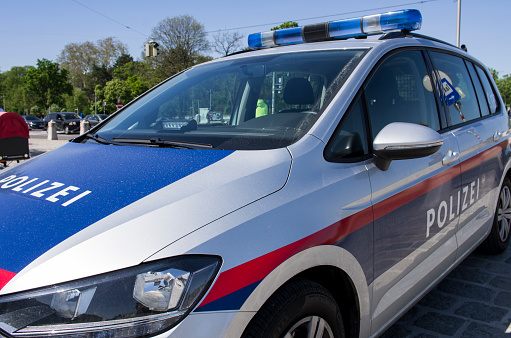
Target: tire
x=498 y=239
x=66 y=130
x=300 y=309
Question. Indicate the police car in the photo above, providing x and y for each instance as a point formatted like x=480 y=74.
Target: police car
x=372 y=169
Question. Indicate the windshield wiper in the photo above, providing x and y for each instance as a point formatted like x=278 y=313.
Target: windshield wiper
x=98 y=139
x=155 y=141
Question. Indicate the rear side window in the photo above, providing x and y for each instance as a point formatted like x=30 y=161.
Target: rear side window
x=459 y=94
x=483 y=104
x=488 y=89
x=401 y=91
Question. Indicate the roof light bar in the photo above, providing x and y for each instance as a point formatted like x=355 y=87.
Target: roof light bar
x=408 y=19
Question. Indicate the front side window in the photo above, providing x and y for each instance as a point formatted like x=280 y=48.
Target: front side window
x=349 y=142
x=401 y=91
x=259 y=102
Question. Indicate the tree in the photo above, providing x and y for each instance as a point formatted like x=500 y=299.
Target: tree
x=99 y=75
x=109 y=50
x=182 y=39
x=116 y=89
x=16 y=98
x=122 y=61
x=225 y=43
x=287 y=24
x=80 y=58
x=48 y=83
x=77 y=100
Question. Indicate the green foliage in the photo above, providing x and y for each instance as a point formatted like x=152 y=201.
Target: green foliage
x=504 y=86
x=287 y=24
x=114 y=90
x=13 y=87
x=55 y=108
x=36 y=111
x=77 y=102
x=48 y=83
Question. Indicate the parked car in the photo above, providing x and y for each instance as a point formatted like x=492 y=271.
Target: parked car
x=95 y=119
x=377 y=167
x=68 y=122
x=33 y=122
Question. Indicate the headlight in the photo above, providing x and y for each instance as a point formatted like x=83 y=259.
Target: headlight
x=142 y=300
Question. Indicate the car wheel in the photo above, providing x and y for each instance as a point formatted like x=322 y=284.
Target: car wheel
x=300 y=309
x=498 y=239
x=66 y=130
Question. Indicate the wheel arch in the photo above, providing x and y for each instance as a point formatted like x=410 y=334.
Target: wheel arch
x=334 y=268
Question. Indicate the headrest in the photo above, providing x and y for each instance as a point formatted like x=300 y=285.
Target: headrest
x=298 y=90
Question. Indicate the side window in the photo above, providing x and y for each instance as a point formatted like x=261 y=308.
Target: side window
x=481 y=96
x=401 y=91
x=489 y=90
x=459 y=94
x=350 y=139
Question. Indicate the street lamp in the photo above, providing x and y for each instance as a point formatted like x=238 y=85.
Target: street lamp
x=459 y=25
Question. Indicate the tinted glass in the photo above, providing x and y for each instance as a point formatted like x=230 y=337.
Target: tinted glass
x=401 y=91
x=349 y=141
x=260 y=102
x=459 y=94
x=481 y=96
x=489 y=91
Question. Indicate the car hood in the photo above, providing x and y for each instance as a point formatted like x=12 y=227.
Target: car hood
x=86 y=209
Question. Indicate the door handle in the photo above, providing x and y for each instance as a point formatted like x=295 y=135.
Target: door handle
x=497 y=136
x=450 y=157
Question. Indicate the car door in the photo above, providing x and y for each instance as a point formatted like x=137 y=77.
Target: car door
x=414 y=220
x=59 y=120
x=472 y=112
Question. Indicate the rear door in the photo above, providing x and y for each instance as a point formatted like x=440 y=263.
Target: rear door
x=414 y=220
x=472 y=112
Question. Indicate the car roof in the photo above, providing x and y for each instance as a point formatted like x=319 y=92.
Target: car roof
x=385 y=42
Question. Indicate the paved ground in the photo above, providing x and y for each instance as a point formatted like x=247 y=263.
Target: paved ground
x=473 y=301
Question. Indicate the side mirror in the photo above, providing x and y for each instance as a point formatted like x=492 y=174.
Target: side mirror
x=401 y=141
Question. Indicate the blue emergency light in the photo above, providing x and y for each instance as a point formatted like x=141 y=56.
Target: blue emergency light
x=408 y=20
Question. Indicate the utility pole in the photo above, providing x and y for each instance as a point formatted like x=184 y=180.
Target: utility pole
x=459 y=25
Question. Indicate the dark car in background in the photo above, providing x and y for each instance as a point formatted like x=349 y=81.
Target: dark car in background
x=95 y=119
x=33 y=122
x=67 y=122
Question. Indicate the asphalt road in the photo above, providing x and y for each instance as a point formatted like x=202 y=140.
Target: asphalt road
x=41 y=134
x=473 y=301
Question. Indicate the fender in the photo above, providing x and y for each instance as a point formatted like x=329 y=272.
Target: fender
x=324 y=255
x=506 y=153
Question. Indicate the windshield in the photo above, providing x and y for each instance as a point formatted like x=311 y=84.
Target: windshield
x=31 y=118
x=261 y=102
x=70 y=116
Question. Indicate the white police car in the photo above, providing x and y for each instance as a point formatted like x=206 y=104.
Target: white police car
x=348 y=178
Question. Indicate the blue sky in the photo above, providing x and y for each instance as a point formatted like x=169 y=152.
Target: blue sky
x=34 y=29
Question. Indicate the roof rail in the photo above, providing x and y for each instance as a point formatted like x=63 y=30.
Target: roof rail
x=407 y=34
